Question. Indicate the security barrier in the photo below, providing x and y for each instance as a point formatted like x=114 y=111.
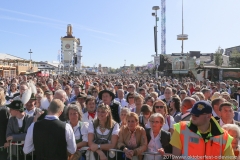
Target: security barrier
x=112 y=152
x=17 y=151
x=116 y=151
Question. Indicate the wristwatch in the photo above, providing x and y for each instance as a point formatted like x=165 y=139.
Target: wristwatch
x=99 y=146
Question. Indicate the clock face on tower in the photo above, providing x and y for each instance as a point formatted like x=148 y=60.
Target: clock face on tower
x=67 y=46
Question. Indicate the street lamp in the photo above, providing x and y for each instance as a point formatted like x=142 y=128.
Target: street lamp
x=182 y=36
x=79 y=48
x=155 y=8
x=69 y=61
x=30 y=52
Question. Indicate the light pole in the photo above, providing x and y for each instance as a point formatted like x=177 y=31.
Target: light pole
x=155 y=8
x=69 y=61
x=30 y=52
x=80 y=58
x=182 y=36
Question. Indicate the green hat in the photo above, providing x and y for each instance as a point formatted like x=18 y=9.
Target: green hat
x=16 y=105
x=82 y=95
x=48 y=92
x=33 y=97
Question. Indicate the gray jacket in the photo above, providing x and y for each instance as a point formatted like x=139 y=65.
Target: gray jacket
x=13 y=129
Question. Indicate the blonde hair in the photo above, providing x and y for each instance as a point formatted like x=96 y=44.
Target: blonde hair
x=154 y=94
x=232 y=127
x=215 y=95
x=200 y=95
x=157 y=115
x=134 y=115
x=56 y=106
x=110 y=122
x=138 y=97
x=2 y=97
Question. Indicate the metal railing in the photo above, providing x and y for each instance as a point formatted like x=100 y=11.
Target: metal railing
x=112 y=152
x=116 y=151
x=17 y=151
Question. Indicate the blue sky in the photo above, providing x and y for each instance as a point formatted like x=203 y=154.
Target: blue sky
x=111 y=31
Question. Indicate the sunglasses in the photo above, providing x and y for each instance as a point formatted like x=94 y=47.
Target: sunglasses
x=159 y=107
x=130 y=97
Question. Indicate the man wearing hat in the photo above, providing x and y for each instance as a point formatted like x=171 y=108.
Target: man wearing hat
x=22 y=89
x=107 y=98
x=30 y=106
x=81 y=98
x=202 y=137
x=17 y=124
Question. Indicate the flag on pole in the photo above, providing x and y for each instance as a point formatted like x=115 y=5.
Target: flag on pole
x=59 y=56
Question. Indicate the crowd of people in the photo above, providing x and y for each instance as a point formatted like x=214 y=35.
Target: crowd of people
x=55 y=117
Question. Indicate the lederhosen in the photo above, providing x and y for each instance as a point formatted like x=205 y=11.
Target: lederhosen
x=106 y=137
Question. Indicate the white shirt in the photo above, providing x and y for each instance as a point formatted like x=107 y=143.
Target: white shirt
x=221 y=122
x=161 y=97
x=114 y=132
x=20 y=121
x=166 y=127
x=84 y=131
x=122 y=101
x=87 y=118
x=31 y=112
x=70 y=138
x=153 y=146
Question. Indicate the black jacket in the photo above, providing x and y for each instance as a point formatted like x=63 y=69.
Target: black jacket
x=164 y=139
x=4 y=116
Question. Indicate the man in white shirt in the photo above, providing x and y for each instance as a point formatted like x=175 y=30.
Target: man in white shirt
x=91 y=114
x=215 y=105
x=51 y=138
x=121 y=99
x=227 y=114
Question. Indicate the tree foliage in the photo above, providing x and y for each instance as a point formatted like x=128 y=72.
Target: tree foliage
x=234 y=59
x=218 y=57
x=132 y=67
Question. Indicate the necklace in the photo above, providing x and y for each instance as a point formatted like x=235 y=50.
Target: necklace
x=102 y=128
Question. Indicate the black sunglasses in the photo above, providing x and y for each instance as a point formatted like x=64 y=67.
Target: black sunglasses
x=159 y=107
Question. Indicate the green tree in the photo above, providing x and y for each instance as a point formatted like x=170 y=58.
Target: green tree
x=218 y=57
x=132 y=67
x=234 y=58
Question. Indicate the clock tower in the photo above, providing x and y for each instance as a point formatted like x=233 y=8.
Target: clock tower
x=69 y=48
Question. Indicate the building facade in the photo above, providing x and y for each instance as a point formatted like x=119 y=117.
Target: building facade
x=11 y=66
x=70 y=51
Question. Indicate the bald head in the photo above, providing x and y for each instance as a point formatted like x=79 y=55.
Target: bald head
x=187 y=103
